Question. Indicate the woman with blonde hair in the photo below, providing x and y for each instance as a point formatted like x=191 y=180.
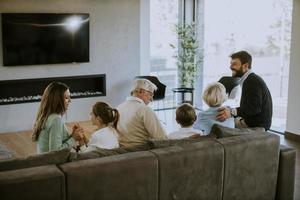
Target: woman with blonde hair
x=49 y=130
x=214 y=96
x=106 y=119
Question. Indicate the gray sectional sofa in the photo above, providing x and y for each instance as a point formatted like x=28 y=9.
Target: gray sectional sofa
x=238 y=164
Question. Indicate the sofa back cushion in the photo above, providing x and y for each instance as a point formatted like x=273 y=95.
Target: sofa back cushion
x=43 y=182
x=127 y=176
x=191 y=171
x=53 y=157
x=251 y=166
x=220 y=131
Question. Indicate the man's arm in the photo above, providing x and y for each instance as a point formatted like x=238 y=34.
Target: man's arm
x=251 y=102
x=223 y=114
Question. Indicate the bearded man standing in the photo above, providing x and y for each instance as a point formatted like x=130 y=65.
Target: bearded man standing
x=256 y=102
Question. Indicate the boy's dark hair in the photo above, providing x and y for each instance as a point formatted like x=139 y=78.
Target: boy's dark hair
x=185 y=115
x=244 y=57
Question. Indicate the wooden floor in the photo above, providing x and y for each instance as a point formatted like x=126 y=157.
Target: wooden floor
x=20 y=145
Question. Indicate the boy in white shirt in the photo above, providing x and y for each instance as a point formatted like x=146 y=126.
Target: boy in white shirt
x=185 y=117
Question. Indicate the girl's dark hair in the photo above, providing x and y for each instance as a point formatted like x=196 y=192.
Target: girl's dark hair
x=107 y=114
x=53 y=101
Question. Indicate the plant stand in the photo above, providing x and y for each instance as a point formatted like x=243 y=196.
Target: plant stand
x=184 y=95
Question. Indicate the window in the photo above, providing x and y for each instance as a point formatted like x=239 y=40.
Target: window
x=164 y=14
x=261 y=27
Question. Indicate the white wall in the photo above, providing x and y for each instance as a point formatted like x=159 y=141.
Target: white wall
x=114 y=51
x=145 y=37
x=293 y=110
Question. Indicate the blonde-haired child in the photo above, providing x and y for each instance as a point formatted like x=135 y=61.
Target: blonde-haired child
x=214 y=96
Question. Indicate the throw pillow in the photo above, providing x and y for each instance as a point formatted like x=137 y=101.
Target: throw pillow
x=144 y=147
x=49 y=158
x=99 y=152
x=222 y=131
x=154 y=144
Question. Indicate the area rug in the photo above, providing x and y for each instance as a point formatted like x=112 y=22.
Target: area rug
x=4 y=152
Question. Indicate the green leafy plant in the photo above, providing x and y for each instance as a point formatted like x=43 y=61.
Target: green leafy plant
x=186 y=54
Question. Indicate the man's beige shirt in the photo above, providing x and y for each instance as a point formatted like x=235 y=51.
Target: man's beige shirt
x=138 y=123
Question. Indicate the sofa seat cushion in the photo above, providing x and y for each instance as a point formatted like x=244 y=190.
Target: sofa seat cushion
x=49 y=158
x=44 y=182
x=126 y=176
x=222 y=131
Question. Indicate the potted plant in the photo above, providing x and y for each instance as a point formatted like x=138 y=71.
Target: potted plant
x=186 y=54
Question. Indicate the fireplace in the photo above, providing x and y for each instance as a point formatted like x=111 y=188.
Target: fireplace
x=31 y=90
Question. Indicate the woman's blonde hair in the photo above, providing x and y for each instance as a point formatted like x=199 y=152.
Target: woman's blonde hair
x=215 y=94
x=53 y=101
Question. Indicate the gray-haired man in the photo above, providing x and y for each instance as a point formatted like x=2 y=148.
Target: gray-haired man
x=138 y=122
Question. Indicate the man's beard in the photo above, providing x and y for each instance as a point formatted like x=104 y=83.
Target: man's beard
x=238 y=73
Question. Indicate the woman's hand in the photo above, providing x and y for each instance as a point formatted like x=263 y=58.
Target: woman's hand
x=77 y=132
x=83 y=141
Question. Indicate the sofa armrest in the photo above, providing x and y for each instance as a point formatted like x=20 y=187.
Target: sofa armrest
x=286 y=174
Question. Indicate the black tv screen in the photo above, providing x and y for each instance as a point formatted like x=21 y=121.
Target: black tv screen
x=44 y=38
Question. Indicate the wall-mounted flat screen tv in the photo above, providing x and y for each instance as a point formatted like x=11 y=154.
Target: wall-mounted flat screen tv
x=44 y=38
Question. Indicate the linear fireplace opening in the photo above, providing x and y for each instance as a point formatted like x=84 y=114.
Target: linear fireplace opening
x=31 y=90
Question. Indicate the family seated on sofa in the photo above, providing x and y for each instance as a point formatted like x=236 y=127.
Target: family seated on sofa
x=133 y=123
x=51 y=133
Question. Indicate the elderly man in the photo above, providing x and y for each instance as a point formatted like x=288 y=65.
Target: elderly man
x=138 y=123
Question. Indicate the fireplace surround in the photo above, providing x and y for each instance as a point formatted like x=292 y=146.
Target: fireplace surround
x=31 y=90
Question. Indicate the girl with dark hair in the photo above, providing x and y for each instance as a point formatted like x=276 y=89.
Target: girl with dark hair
x=49 y=130
x=106 y=119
